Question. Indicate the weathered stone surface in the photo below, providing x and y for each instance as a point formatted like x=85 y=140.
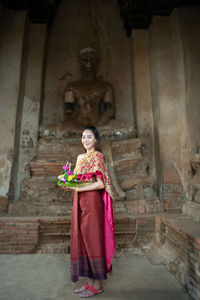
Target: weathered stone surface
x=59 y=150
x=5 y=169
x=3 y=204
x=137 y=182
x=12 y=43
x=31 y=77
x=112 y=131
x=43 y=168
x=128 y=159
x=42 y=197
x=191 y=207
x=172 y=195
x=195 y=162
x=143 y=94
x=138 y=167
x=143 y=206
x=127 y=149
x=21 y=208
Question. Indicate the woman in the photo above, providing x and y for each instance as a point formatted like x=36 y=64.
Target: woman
x=92 y=229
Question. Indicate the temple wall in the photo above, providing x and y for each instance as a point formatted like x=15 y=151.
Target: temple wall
x=155 y=74
x=11 y=45
x=166 y=76
x=79 y=24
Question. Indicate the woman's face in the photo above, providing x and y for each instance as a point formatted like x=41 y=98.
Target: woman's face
x=88 y=140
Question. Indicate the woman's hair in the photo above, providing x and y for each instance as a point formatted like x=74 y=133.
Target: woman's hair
x=96 y=135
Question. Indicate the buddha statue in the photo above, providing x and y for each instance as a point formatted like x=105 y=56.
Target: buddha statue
x=89 y=100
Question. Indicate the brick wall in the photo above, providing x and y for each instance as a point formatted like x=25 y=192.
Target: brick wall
x=172 y=193
x=20 y=235
x=180 y=252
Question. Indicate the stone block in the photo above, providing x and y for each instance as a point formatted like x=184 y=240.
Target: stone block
x=3 y=204
x=143 y=187
x=127 y=149
x=195 y=162
x=40 y=196
x=143 y=206
x=58 y=150
x=191 y=208
x=21 y=208
x=43 y=168
x=133 y=166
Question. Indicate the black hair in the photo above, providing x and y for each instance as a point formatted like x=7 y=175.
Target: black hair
x=96 y=135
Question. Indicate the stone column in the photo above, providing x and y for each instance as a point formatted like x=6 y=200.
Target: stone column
x=169 y=110
x=11 y=45
x=31 y=102
x=143 y=98
x=189 y=23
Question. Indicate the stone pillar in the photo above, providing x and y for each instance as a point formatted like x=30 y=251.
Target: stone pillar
x=189 y=23
x=11 y=45
x=31 y=101
x=172 y=149
x=143 y=98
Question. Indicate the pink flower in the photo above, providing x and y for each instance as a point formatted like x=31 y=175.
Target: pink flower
x=69 y=172
x=65 y=168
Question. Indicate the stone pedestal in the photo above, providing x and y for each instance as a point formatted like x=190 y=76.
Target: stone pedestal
x=133 y=188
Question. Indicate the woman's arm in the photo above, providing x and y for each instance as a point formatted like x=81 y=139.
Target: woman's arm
x=98 y=185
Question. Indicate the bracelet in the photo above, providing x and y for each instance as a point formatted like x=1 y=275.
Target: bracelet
x=76 y=190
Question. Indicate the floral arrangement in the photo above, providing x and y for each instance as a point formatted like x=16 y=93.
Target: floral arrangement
x=67 y=178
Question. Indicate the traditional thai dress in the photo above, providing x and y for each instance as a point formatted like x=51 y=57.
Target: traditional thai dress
x=92 y=228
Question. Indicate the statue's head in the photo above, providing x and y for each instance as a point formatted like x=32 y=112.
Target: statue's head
x=89 y=58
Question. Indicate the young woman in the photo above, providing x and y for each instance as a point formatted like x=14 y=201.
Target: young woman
x=92 y=228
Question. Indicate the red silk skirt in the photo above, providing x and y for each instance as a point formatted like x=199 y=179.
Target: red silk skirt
x=87 y=236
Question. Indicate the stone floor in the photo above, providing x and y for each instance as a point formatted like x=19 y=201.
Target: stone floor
x=47 y=277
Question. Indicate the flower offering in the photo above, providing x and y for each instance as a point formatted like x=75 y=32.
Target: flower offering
x=67 y=178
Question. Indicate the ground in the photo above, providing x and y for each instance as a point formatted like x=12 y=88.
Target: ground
x=47 y=277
